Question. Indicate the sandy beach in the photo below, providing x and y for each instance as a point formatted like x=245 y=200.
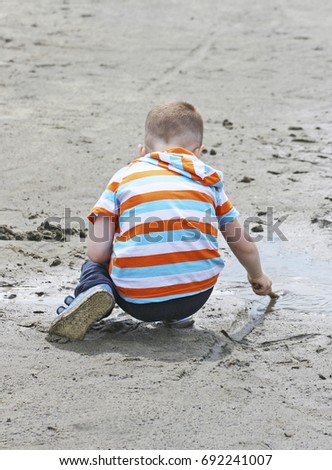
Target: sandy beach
x=77 y=80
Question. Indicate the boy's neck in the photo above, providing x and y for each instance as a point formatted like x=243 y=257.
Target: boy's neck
x=172 y=146
x=191 y=150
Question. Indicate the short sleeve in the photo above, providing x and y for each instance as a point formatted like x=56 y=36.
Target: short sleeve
x=108 y=203
x=225 y=210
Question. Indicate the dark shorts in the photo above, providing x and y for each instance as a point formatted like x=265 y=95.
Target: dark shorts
x=94 y=274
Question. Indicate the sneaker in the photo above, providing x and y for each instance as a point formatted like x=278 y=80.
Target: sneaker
x=87 y=308
x=182 y=323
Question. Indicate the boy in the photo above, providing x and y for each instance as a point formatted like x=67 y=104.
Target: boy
x=153 y=245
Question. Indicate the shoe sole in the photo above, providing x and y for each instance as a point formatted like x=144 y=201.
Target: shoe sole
x=75 y=323
x=179 y=324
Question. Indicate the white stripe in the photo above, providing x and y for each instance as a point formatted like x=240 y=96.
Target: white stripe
x=223 y=198
x=139 y=167
x=106 y=204
x=200 y=169
x=117 y=177
x=162 y=248
x=162 y=281
x=165 y=157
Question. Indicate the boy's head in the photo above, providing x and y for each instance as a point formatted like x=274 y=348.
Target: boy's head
x=176 y=124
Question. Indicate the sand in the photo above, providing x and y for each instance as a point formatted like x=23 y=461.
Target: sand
x=76 y=81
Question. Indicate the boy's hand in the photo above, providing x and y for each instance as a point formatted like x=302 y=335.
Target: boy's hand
x=261 y=285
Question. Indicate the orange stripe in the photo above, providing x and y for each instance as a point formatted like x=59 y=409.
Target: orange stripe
x=100 y=210
x=154 y=155
x=113 y=186
x=162 y=195
x=188 y=165
x=226 y=207
x=166 y=226
x=162 y=164
x=146 y=174
x=164 y=258
x=168 y=290
x=212 y=179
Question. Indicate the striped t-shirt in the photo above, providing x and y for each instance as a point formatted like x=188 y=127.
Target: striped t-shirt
x=168 y=207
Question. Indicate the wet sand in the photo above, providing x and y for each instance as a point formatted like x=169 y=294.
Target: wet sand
x=76 y=82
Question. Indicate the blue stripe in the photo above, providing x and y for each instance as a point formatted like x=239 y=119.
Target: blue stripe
x=154 y=207
x=167 y=269
x=229 y=217
x=176 y=161
x=109 y=195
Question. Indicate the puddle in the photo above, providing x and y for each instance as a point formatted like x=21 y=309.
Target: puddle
x=305 y=282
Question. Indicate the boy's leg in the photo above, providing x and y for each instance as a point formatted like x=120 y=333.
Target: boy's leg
x=93 y=274
x=94 y=300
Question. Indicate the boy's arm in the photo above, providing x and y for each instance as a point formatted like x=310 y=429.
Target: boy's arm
x=99 y=245
x=245 y=250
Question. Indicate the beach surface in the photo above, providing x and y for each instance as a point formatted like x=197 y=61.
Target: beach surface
x=77 y=80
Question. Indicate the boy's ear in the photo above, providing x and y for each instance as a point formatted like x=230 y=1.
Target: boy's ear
x=142 y=150
x=198 y=151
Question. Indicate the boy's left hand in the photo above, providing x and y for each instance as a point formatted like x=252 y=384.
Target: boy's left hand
x=261 y=285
